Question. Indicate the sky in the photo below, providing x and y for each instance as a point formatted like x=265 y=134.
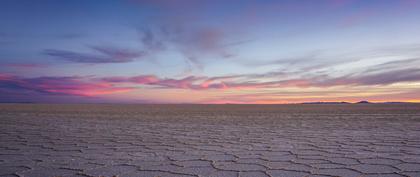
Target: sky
x=209 y=51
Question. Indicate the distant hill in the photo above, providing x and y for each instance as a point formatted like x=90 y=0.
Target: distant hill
x=363 y=102
x=320 y=102
x=360 y=102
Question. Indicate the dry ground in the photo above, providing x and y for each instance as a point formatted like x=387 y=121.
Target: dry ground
x=210 y=140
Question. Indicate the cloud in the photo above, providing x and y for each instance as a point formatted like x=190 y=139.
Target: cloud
x=372 y=60
x=23 y=65
x=184 y=83
x=195 y=43
x=207 y=40
x=204 y=83
x=246 y=81
x=142 y=79
x=71 y=35
x=150 y=41
x=175 y=27
x=388 y=77
x=92 y=87
x=292 y=61
x=58 y=86
x=190 y=82
x=396 y=64
x=361 y=79
x=106 y=55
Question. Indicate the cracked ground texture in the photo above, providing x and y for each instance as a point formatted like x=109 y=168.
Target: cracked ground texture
x=369 y=140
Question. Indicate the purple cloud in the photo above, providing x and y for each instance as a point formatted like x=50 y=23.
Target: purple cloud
x=150 y=41
x=23 y=65
x=77 y=86
x=195 y=43
x=388 y=77
x=106 y=55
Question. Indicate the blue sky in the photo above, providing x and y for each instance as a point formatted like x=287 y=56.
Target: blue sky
x=178 y=51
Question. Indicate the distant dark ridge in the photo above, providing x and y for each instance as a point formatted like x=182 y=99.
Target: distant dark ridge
x=360 y=102
x=320 y=102
x=363 y=102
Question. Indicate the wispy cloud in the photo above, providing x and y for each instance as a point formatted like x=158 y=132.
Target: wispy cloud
x=195 y=43
x=369 y=61
x=183 y=83
x=393 y=65
x=382 y=78
x=247 y=81
x=358 y=79
x=105 y=55
x=150 y=41
x=71 y=35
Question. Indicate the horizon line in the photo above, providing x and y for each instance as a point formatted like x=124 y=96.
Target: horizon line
x=308 y=103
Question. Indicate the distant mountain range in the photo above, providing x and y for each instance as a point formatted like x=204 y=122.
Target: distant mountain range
x=321 y=102
x=360 y=102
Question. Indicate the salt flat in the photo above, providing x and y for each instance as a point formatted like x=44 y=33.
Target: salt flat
x=210 y=140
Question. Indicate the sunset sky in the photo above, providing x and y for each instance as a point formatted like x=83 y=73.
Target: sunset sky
x=215 y=51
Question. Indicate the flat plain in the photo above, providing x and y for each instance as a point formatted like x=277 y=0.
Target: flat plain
x=351 y=140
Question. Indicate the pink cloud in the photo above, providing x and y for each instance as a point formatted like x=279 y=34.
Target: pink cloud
x=87 y=86
x=5 y=77
x=190 y=82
